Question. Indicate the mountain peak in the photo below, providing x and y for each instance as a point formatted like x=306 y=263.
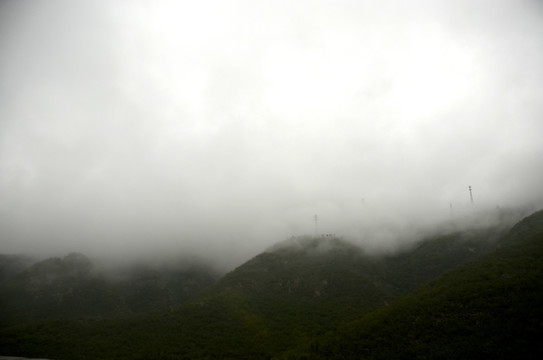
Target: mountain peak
x=312 y=245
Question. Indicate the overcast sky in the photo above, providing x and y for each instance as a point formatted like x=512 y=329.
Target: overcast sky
x=225 y=126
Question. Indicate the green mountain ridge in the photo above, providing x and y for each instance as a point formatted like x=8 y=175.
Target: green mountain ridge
x=11 y=265
x=488 y=309
x=304 y=298
x=73 y=287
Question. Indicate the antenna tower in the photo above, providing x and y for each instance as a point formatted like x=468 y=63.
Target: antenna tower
x=470 y=194
x=316 y=225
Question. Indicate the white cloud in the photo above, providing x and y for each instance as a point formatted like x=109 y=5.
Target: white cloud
x=228 y=125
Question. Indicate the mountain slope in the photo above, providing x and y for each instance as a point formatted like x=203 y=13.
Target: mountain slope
x=434 y=256
x=489 y=309
x=56 y=288
x=11 y=265
x=280 y=299
x=71 y=287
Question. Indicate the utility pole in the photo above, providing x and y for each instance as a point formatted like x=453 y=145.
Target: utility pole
x=470 y=194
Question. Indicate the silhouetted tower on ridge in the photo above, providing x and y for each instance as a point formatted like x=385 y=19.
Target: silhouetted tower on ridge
x=470 y=194
x=316 y=225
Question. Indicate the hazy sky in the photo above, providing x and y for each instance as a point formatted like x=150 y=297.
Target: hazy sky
x=224 y=126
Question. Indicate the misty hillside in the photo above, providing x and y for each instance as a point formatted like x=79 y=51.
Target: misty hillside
x=73 y=286
x=277 y=303
x=433 y=256
x=11 y=265
x=489 y=309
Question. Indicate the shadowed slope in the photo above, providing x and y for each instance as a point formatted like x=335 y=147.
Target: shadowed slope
x=489 y=309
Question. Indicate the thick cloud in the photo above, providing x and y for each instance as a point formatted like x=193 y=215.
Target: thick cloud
x=221 y=127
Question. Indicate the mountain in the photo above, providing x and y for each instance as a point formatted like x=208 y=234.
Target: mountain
x=73 y=286
x=11 y=265
x=56 y=288
x=149 y=288
x=491 y=308
x=435 y=255
x=276 y=304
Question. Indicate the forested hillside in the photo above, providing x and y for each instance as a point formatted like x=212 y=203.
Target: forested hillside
x=326 y=298
x=74 y=287
x=488 y=309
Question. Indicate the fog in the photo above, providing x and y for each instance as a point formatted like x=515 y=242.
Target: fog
x=218 y=128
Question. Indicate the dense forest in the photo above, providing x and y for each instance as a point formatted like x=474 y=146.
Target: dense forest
x=467 y=294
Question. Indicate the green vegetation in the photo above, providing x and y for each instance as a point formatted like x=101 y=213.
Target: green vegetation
x=463 y=295
x=488 y=309
x=71 y=288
